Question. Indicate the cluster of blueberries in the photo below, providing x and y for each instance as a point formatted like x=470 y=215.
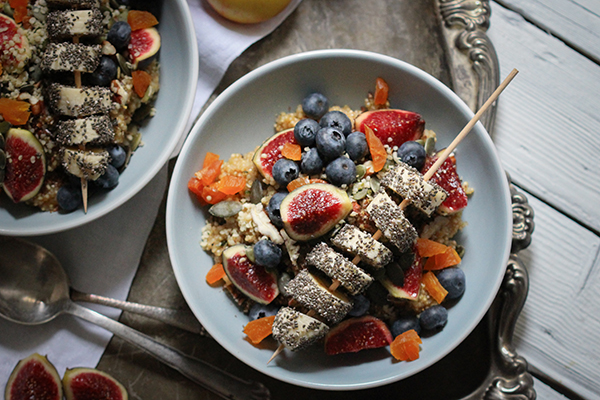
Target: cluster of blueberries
x=119 y=36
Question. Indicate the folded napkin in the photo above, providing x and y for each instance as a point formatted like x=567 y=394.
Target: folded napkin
x=102 y=257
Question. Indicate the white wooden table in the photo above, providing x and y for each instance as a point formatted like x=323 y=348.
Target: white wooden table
x=547 y=132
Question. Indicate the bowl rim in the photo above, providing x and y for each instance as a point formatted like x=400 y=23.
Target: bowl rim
x=265 y=69
x=105 y=207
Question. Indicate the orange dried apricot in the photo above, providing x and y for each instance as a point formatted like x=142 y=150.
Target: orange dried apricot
x=209 y=173
x=405 y=346
x=231 y=184
x=215 y=274
x=446 y=259
x=429 y=248
x=433 y=287
x=292 y=151
x=141 y=19
x=15 y=112
x=210 y=158
x=378 y=153
x=259 y=329
x=211 y=194
x=381 y=92
x=195 y=186
x=296 y=183
x=141 y=81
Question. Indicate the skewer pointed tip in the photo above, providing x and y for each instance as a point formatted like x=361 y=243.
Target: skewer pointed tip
x=276 y=353
x=84 y=193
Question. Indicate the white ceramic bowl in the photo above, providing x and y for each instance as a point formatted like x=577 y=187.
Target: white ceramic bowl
x=178 y=77
x=242 y=117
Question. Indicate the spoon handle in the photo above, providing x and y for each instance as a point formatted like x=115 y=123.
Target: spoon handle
x=178 y=318
x=204 y=374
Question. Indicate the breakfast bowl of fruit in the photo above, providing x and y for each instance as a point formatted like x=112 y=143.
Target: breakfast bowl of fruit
x=321 y=233
x=89 y=113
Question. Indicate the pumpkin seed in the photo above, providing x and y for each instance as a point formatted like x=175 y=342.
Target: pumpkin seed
x=374 y=182
x=256 y=192
x=429 y=145
x=1 y=141
x=8 y=10
x=361 y=170
x=420 y=141
x=36 y=73
x=136 y=138
x=225 y=209
x=4 y=127
x=361 y=194
x=250 y=253
x=460 y=250
x=123 y=64
x=2 y=159
x=39 y=16
x=28 y=88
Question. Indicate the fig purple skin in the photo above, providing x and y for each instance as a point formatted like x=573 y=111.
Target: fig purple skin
x=34 y=377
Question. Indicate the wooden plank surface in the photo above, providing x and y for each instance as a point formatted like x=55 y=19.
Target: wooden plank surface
x=577 y=22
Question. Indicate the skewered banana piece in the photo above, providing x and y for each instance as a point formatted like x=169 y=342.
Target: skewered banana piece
x=312 y=293
x=69 y=23
x=336 y=266
x=93 y=130
x=409 y=183
x=73 y=3
x=71 y=57
x=390 y=220
x=78 y=102
x=356 y=242
x=86 y=164
x=295 y=330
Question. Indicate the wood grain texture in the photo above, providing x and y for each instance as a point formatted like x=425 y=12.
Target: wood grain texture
x=577 y=22
x=547 y=124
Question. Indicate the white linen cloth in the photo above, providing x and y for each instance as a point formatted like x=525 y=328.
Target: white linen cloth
x=102 y=256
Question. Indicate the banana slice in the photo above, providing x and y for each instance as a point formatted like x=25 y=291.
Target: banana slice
x=356 y=242
x=66 y=24
x=87 y=164
x=336 y=266
x=312 y=293
x=93 y=130
x=71 y=57
x=73 y=3
x=78 y=102
x=296 y=330
x=390 y=219
x=409 y=183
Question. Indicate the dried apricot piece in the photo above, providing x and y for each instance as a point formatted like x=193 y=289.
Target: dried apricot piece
x=296 y=183
x=211 y=194
x=210 y=158
x=141 y=20
x=259 y=329
x=209 y=173
x=141 y=81
x=215 y=274
x=446 y=259
x=405 y=346
x=433 y=287
x=292 y=151
x=15 y=112
x=429 y=248
x=231 y=184
x=378 y=153
x=381 y=92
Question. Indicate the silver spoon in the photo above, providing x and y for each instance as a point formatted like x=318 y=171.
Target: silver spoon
x=34 y=289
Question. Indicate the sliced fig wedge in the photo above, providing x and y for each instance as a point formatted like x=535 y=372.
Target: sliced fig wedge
x=25 y=165
x=392 y=127
x=356 y=334
x=270 y=151
x=14 y=46
x=36 y=378
x=92 y=384
x=447 y=177
x=412 y=281
x=144 y=46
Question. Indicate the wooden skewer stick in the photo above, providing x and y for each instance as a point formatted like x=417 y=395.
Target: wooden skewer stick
x=84 y=182
x=430 y=172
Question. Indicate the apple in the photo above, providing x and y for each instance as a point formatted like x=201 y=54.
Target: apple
x=248 y=11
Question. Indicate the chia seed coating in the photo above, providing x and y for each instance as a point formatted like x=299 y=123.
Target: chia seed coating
x=358 y=243
x=78 y=102
x=71 y=57
x=93 y=130
x=336 y=266
x=409 y=183
x=307 y=291
x=295 y=330
x=87 y=164
x=390 y=219
x=66 y=24
x=79 y=4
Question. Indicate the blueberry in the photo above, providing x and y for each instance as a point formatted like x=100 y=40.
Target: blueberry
x=109 y=179
x=315 y=105
x=117 y=155
x=453 y=280
x=274 y=208
x=69 y=197
x=119 y=35
x=341 y=171
x=262 y=310
x=404 y=324
x=435 y=317
x=413 y=154
x=305 y=131
x=311 y=163
x=267 y=254
x=360 y=307
x=104 y=73
x=284 y=171
x=331 y=143
x=356 y=145
x=338 y=120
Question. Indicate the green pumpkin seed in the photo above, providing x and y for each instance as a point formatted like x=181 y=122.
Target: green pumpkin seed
x=2 y=160
x=374 y=182
x=123 y=64
x=460 y=250
x=420 y=141
x=7 y=10
x=4 y=127
x=39 y=16
x=225 y=209
x=250 y=253
x=27 y=88
x=36 y=73
x=429 y=145
x=256 y=192
x=136 y=138
x=361 y=170
x=1 y=141
x=361 y=194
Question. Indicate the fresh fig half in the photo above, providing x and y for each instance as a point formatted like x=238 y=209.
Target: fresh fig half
x=25 y=165
x=36 y=378
x=270 y=152
x=92 y=384
x=15 y=51
x=447 y=177
x=253 y=280
x=356 y=334
x=412 y=281
x=313 y=210
x=392 y=127
x=143 y=46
